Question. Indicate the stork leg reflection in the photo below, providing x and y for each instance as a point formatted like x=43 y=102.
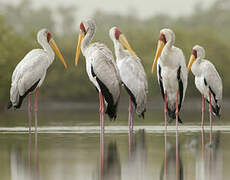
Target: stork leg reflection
x=177 y=157
x=102 y=112
x=36 y=162
x=130 y=142
x=203 y=144
x=29 y=137
x=166 y=123
x=36 y=133
x=102 y=155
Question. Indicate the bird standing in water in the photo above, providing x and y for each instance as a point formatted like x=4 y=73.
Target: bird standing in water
x=172 y=77
x=132 y=74
x=171 y=72
x=30 y=72
x=207 y=81
x=101 y=69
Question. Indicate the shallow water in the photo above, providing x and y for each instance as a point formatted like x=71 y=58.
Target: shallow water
x=68 y=146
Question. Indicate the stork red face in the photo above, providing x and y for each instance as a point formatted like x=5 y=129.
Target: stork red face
x=160 y=45
x=48 y=36
x=82 y=27
x=162 y=38
x=80 y=38
x=192 y=59
x=117 y=33
x=121 y=37
x=194 y=52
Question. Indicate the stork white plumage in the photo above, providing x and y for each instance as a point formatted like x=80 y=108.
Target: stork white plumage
x=207 y=81
x=30 y=72
x=171 y=72
x=132 y=74
x=101 y=69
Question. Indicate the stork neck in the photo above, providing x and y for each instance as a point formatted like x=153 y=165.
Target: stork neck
x=87 y=39
x=199 y=59
x=48 y=49
x=119 y=50
x=166 y=52
x=196 y=67
x=169 y=43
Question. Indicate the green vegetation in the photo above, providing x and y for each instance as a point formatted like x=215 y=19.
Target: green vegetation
x=207 y=27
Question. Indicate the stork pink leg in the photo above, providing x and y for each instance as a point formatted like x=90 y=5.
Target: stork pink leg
x=166 y=123
x=102 y=111
x=177 y=157
x=203 y=110
x=29 y=112
x=36 y=110
x=165 y=110
x=210 y=116
x=130 y=114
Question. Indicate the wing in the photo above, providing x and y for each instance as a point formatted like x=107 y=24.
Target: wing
x=159 y=77
x=134 y=78
x=106 y=71
x=181 y=87
x=213 y=79
x=214 y=83
x=178 y=57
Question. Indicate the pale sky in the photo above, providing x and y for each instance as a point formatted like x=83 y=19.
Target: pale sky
x=144 y=8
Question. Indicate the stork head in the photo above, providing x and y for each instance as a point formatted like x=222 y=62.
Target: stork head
x=198 y=52
x=116 y=35
x=44 y=36
x=166 y=35
x=86 y=27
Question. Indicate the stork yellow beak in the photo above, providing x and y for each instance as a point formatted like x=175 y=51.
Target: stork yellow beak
x=80 y=37
x=160 y=46
x=125 y=43
x=191 y=61
x=54 y=46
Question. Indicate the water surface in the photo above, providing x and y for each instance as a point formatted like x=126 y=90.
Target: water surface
x=60 y=152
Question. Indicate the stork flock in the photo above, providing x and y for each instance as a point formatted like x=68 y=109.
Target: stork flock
x=107 y=75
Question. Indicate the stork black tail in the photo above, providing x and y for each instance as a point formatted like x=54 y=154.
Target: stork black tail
x=216 y=111
x=21 y=98
x=9 y=105
x=142 y=115
x=172 y=115
x=111 y=111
